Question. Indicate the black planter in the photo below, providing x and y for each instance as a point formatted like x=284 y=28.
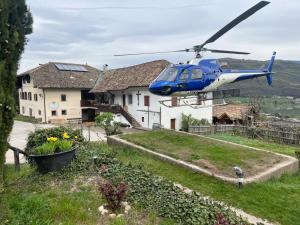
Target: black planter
x=53 y=162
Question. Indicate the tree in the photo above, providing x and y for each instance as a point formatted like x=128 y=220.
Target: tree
x=15 y=24
x=105 y=121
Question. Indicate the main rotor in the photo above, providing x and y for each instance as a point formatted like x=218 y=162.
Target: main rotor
x=199 y=49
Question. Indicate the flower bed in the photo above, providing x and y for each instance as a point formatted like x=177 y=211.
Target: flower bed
x=155 y=194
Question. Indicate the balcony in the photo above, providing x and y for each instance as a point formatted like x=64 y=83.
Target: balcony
x=87 y=103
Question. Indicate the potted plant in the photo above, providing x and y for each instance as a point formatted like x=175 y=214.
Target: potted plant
x=55 y=152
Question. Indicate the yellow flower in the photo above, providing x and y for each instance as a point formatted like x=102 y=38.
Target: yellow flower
x=66 y=136
x=76 y=137
x=54 y=139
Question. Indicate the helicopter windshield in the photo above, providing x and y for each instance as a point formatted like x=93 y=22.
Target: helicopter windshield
x=168 y=74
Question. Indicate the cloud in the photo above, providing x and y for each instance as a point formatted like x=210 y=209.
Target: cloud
x=93 y=31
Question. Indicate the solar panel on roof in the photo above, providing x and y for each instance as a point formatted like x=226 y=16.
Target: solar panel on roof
x=70 y=67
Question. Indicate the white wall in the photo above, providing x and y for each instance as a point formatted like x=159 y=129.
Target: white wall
x=71 y=105
x=167 y=113
x=35 y=106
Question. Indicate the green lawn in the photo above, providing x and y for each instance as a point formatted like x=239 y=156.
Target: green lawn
x=218 y=157
x=271 y=146
x=277 y=200
x=26 y=119
x=31 y=198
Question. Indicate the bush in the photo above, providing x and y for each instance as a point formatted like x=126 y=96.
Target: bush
x=105 y=121
x=186 y=121
x=39 y=137
x=114 y=194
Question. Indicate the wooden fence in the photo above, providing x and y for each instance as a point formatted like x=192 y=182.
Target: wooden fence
x=276 y=135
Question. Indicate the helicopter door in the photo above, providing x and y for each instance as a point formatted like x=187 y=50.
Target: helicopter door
x=196 y=81
x=182 y=80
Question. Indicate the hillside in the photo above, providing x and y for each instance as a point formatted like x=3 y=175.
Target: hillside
x=286 y=81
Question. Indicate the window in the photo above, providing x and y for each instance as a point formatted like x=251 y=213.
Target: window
x=24 y=80
x=130 y=99
x=25 y=95
x=30 y=112
x=63 y=98
x=146 y=100
x=174 y=101
x=40 y=112
x=184 y=75
x=168 y=74
x=23 y=109
x=143 y=119
x=29 y=96
x=196 y=74
x=63 y=112
x=53 y=112
x=28 y=79
x=35 y=97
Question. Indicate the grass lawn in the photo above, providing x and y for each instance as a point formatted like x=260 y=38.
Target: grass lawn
x=218 y=157
x=26 y=119
x=263 y=144
x=277 y=200
x=31 y=198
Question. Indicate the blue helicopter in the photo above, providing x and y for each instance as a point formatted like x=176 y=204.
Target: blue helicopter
x=203 y=76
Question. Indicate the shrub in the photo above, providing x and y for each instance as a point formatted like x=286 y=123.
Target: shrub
x=188 y=120
x=105 y=121
x=40 y=136
x=114 y=194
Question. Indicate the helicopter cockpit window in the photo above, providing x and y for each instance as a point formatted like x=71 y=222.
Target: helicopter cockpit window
x=196 y=74
x=168 y=74
x=184 y=75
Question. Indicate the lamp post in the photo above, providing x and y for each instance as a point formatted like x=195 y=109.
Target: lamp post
x=240 y=175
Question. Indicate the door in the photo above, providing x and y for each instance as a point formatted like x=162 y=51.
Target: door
x=196 y=80
x=30 y=112
x=182 y=80
x=173 y=122
x=124 y=100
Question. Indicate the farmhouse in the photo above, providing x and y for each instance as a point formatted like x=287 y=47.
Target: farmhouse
x=124 y=91
x=56 y=92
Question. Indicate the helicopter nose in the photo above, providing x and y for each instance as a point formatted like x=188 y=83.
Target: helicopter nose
x=160 y=88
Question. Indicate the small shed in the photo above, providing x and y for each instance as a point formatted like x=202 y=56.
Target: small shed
x=229 y=113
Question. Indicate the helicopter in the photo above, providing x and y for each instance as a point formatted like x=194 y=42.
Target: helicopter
x=206 y=75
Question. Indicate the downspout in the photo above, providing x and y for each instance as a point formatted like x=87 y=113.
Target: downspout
x=44 y=106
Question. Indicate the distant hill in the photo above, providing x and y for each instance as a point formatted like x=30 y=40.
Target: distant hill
x=286 y=81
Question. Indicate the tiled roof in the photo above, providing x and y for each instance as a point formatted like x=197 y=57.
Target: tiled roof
x=49 y=76
x=232 y=111
x=134 y=76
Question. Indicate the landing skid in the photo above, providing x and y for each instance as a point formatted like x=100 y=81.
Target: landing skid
x=202 y=99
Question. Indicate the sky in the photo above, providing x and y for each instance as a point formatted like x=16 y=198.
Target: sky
x=92 y=31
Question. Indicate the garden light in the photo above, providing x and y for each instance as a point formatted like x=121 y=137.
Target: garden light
x=240 y=175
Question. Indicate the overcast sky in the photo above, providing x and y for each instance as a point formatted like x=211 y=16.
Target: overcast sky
x=91 y=31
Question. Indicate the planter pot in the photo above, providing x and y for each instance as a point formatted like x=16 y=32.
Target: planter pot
x=53 y=162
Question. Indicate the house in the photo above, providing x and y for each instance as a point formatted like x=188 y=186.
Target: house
x=124 y=92
x=229 y=113
x=57 y=92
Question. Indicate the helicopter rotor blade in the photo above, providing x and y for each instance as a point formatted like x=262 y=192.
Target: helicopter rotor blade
x=149 y=53
x=226 y=51
x=234 y=22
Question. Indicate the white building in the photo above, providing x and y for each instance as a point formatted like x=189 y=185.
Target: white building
x=124 y=91
x=57 y=92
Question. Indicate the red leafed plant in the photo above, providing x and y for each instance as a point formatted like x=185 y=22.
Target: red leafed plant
x=114 y=194
x=221 y=220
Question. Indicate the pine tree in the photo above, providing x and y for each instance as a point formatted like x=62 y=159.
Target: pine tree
x=15 y=23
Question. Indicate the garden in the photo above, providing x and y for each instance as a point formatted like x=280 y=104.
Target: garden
x=217 y=157
x=97 y=187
